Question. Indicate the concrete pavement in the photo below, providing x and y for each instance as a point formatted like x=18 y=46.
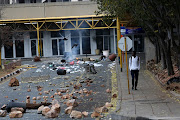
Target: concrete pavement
x=149 y=101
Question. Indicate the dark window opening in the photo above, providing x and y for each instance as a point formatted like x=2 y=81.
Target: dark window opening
x=32 y=1
x=53 y=0
x=54 y=47
x=8 y=49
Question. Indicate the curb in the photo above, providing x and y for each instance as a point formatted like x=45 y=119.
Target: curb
x=11 y=74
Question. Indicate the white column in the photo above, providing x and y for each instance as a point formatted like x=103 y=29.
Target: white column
x=47 y=44
x=14 y=48
x=27 y=45
x=2 y=52
x=93 y=41
x=115 y=42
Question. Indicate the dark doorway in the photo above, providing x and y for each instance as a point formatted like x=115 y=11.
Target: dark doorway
x=33 y=47
x=9 y=49
x=19 y=48
x=86 y=45
x=54 y=47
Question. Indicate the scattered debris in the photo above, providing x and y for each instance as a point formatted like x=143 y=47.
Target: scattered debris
x=37 y=59
x=108 y=104
x=114 y=96
x=27 y=99
x=95 y=114
x=72 y=103
x=108 y=91
x=28 y=90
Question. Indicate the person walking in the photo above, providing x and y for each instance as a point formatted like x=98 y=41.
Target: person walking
x=134 y=66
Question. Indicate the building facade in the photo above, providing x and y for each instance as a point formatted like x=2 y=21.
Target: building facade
x=53 y=27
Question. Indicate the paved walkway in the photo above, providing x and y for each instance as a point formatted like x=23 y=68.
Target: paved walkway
x=150 y=100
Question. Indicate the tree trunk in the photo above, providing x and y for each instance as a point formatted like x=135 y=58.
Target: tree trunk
x=156 y=51
x=164 y=65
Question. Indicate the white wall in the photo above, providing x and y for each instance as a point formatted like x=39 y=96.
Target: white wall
x=47 y=44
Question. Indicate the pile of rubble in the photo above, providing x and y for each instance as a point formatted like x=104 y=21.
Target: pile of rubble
x=172 y=81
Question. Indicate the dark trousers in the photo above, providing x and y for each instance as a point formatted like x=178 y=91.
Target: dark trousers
x=134 y=74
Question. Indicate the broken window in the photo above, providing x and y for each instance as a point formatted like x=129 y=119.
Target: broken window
x=8 y=47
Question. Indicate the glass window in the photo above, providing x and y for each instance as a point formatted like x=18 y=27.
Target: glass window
x=75 y=45
x=33 y=47
x=57 y=34
x=61 y=47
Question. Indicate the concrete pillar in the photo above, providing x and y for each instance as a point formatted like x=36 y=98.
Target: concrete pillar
x=93 y=41
x=115 y=42
x=68 y=42
x=112 y=40
x=2 y=52
x=27 y=45
x=14 y=48
x=47 y=44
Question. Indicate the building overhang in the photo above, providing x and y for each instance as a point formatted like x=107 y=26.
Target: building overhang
x=62 y=23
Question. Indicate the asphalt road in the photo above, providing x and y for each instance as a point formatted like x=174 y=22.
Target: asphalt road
x=44 y=76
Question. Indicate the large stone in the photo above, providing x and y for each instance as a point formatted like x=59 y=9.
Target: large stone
x=45 y=110
x=85 y=114
x=108 y=104
x=13 y=82
x=52 y=114
x=56 y=107
x=68 y=110
x=95 y=114
x=37 y=58
x=17 y=109
x=3 y=113
x=40 y=109
x=16 y=114
x=108 y=91
x=72 y=103
x=76 y=114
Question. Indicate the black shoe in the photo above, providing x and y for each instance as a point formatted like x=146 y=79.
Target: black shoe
x=135 y=88
x=132 y=88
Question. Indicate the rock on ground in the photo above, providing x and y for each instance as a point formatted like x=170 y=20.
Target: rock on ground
x=40 y=109
x=17 y=109
x=76 y=114
x=68 y=110
x=3 y=113
x=52 y=114
x=13 y=82
x=16 y=114
x=45 y=110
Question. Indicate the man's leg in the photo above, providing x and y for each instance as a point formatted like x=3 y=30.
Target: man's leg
x=132 y=74
x=136 y=77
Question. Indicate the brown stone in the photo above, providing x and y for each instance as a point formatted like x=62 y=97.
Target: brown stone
x=46 y=92
x=68 y=110
x=72 y=103
x=40 y=93
x=5 y=96
x=76 y=114
x=56 y=107
x=17 y=109
x=52 y=96
x=108 y=104
x=85 y=114
x=45 y=110
x=34 y=102
x=3 y=107
x=28 y=90
x=13 y=82
x=38 y=97
x=39 y=88
x=95 y=114
x=27 y=100
x=34 y=98
x=51 y=114
x=3 y=113
x=37 y=59
x=16 y=114
x=108 y=91
x=114 y=96
x=40 y=109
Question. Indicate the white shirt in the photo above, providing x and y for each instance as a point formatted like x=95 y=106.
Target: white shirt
x=134 y=63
